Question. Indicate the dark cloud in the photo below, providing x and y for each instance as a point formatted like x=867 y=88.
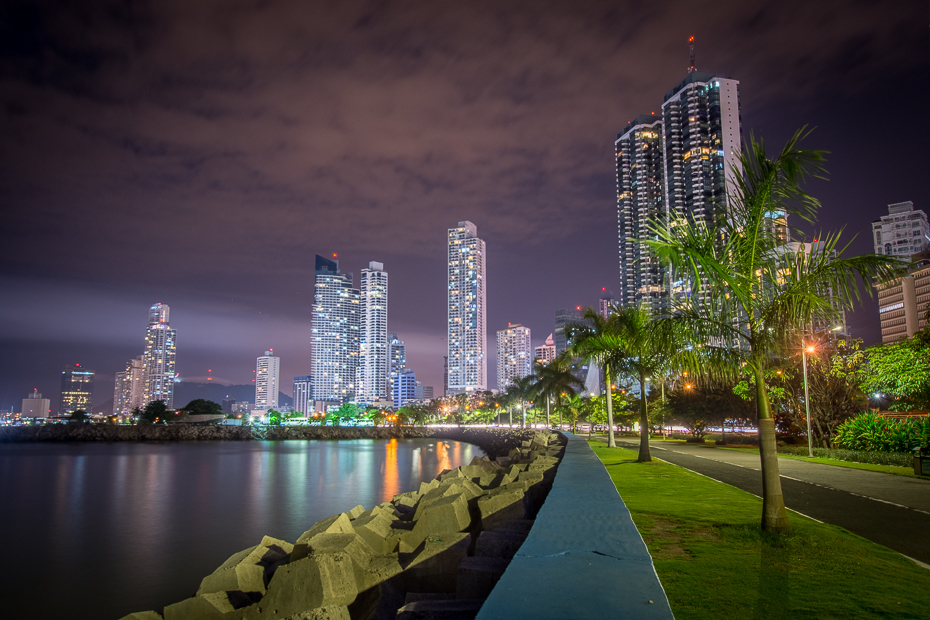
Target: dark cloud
x=200 y=153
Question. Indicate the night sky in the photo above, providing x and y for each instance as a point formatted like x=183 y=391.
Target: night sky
x=200 y=153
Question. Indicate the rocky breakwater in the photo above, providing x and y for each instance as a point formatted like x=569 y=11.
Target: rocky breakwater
x=432 y=553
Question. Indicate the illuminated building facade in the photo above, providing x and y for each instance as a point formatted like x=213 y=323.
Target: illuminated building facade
x=335 y=326
x=514 y=354
x=467 y=310
x=77 y=389
x=267 y=380
x=303 y=394
x=373 y=341
x=159 y=357
x=545 y=353
x=127 y=392
x=903 y=304
x=902 y=233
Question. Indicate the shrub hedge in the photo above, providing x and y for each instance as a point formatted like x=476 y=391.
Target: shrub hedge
x=869 y=432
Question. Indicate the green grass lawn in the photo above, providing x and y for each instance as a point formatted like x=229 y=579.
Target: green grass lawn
x=715 y=563
x=885 y=469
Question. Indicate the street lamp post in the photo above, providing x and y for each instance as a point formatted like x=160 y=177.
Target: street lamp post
x=807 y=404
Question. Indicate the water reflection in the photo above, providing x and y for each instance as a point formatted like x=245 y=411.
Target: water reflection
x=126 y=527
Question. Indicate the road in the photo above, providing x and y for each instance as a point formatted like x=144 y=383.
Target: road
x=891 y=510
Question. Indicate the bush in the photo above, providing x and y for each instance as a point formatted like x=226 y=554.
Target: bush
x=901 y=459
x=869 y=432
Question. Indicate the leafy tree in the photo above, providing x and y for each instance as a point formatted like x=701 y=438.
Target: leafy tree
x=555 y=381
x=156 y=411
x=203 y=407
x=521 y=391
x=752 y=297
x=346 y=411
x=902 y=370
x=274 y=417
x=78 y=415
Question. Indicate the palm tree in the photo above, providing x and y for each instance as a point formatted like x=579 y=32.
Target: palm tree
x=752 y=295
x=595 y=341
x=555 y=379
x=521 y=390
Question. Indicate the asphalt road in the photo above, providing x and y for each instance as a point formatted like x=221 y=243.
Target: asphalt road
x=891 y=510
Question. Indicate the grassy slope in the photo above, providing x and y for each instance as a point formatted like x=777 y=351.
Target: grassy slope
x=885 y=469
x=715 y=563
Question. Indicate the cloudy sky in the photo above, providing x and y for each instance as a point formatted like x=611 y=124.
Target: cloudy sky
x=200 y=153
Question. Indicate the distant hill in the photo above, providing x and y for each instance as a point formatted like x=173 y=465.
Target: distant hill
x=185 y=392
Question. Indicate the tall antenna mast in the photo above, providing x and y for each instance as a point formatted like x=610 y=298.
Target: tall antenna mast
x=691 y=68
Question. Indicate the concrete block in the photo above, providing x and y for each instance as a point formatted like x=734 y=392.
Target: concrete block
x=504 y=461
x=248 y=572
x=426 y=487
x=435 y=564
x=369 y=567
x=315 y=581
x=355 y=512
x=450 y=473
x=495 y=509
x=478 y=576
x=336 y=524
x=387 y=507
x=380 y=568
x=226 y=602
x=142 y=615
x=521 y=526
x=413 y=597
x=330 y=612
x=440 y=610
x=196 y=608
x=498 y=544
x=406 y=499
x=375 y=530
x=444 y=516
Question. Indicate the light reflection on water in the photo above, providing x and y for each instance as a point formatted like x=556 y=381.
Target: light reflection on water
x=100 y=530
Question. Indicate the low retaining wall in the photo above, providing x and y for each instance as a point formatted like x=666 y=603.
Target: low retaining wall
x=584 y=557
x=432 y=553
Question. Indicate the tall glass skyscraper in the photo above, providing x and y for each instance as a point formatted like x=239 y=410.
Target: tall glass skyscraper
x=467 y=310
x=335 y=345
x=158 y=359
x=679 y=164
x=373 y=342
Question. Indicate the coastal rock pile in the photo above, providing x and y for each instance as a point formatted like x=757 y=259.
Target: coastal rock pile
x=432 y=553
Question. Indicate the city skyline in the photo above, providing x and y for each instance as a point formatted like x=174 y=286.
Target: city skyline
x=188 y=168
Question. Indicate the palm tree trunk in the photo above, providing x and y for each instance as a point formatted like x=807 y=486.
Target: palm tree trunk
x=611 y=441
x=644 y=455
x=547 y=412
x=774 y=515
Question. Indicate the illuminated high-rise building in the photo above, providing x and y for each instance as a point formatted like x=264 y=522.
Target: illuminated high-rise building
x=563 y=317
x=267 y=380
x=514 y=354
x=681 y=163
x=127 y=392
x=335 y=345
x=467 y=310
x=303 y=394
x=373 y=341
x=77 y=389
x=545 y=352
x=158 y=358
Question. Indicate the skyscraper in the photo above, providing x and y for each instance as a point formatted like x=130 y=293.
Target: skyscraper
x=127 y=392
x=303 y=394
x=605 y=303
x=405 y=387
x=373 y=342
x=682 y=164
x=267 y=380
x=640 y=200
x=158 y=359
x=545 y=353
x=397 y=361
x=514 y=354
x=335 y=325
x=467 y=309
x=563 y=317
x=77 y=389
x=903 y=303
x=903 y=232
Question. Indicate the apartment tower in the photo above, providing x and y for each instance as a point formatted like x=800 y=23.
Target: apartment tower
x=267 y=380
x=514 y=354
x=467 y=310
x=373 y=341
x=335 y=327
x=158 y=358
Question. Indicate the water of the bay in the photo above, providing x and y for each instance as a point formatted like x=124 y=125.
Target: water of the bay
x=100 y=530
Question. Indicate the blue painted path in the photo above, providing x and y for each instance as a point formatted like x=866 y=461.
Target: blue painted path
x=584 y=557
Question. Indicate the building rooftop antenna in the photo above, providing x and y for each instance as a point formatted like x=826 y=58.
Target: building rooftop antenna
x=691 y=68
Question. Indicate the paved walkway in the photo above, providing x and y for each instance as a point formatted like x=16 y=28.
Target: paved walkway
x=891 y=510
